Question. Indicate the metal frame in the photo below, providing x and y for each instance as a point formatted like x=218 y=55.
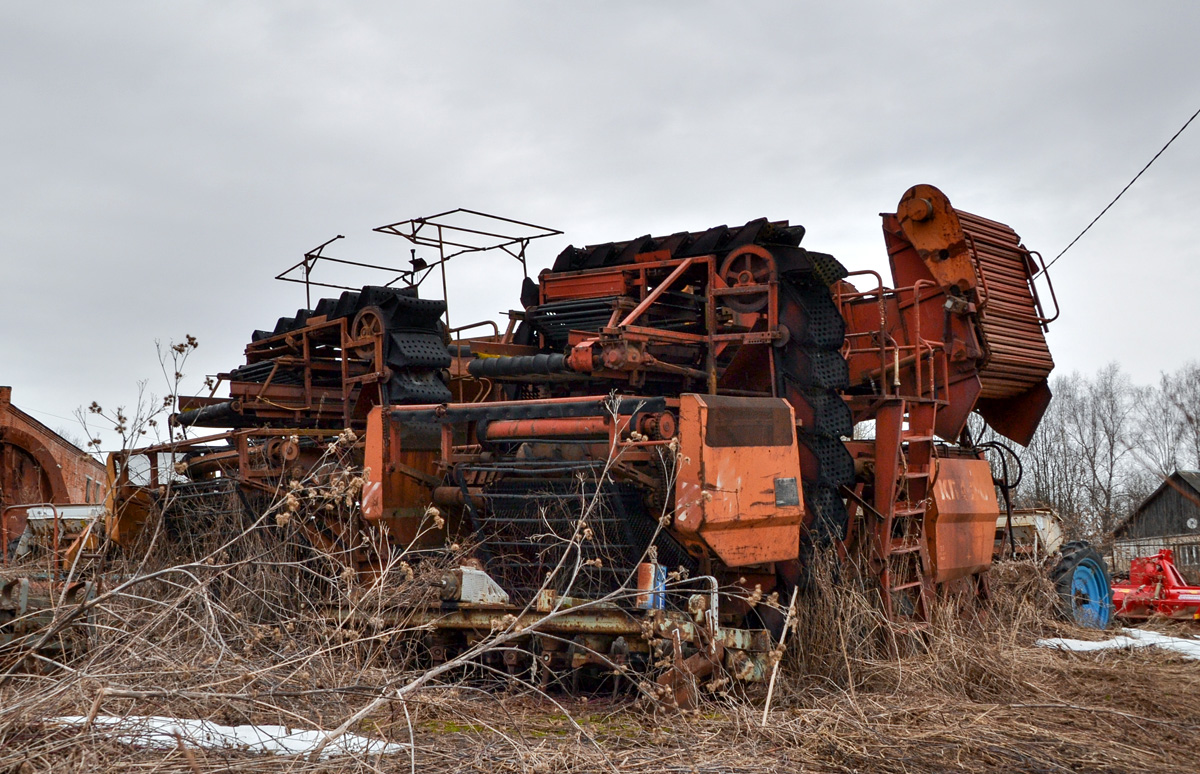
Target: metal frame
x=623 y=330
x=456 y=238
x=449 y=239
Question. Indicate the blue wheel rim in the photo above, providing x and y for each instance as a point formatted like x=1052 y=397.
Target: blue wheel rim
x=1092 y=598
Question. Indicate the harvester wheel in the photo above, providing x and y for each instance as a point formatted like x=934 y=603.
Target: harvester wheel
x=368 y=323
x=1082 y=580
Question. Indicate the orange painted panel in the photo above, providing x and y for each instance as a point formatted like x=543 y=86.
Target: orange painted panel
x=738 y=487
x=961 y=523
x=595 y=284
x=390 y=497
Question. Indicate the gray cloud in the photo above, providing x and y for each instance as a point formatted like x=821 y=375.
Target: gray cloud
x=164 y=161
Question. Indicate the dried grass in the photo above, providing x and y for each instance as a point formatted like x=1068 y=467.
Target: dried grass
x=238 y=640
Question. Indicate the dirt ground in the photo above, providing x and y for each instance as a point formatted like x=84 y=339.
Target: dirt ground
x=970 y=694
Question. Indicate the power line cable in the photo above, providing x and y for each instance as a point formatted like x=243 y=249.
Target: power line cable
x=25 y=407
x=1118 y=196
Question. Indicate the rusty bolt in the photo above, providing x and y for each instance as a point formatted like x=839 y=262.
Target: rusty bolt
x=916 y=210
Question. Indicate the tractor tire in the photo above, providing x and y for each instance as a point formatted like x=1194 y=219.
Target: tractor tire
x=1084 y=586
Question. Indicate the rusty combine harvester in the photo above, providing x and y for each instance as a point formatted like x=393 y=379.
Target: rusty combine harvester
x=689 y=400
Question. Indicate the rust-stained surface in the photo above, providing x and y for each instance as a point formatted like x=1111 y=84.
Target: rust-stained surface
x=931 y=225
x=684 y=401
x=401 y=474
x=1012 y=318
x=327 y=366
x=966 y=312
x=739 y=487
x=961 y=523
x=1014 y=392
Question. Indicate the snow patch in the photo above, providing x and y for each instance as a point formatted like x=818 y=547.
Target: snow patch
x=162 y=732
x=1129 y=638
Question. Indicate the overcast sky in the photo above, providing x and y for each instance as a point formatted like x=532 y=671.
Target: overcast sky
x=162 y=162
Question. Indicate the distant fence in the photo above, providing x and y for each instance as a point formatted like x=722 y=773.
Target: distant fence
x=1186 y=548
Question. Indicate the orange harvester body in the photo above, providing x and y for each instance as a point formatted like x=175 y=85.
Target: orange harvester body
x=701 y=413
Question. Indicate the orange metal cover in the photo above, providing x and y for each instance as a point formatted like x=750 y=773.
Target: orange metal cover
x=590 y=284
x=961 y=523
x=391 y=498
x=738 y=487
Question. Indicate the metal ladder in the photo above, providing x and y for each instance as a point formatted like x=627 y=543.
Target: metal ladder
x=904 y=476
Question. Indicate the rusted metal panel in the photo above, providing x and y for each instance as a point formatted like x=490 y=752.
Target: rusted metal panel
x=741 y=496
x=932 y=227
x=1019 y=358
x=961 y=522
x=399 y=480
x=964 y=321
x=594 y=284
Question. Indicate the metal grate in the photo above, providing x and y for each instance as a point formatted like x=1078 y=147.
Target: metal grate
x=525 y=525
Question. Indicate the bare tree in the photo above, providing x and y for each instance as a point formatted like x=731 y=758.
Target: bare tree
x=1053 y=473
x=1103 y=445
x=1183 y=391
x=1158 y=428
x=1101 y=429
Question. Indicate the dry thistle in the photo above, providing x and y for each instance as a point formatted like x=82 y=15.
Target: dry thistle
x=499 y=624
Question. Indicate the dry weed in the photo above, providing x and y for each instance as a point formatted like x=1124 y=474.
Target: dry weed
x=247 y=638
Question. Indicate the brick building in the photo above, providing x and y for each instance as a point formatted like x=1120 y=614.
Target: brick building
x=37 y=465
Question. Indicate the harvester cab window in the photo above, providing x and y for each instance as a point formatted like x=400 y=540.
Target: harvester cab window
x=140 y=473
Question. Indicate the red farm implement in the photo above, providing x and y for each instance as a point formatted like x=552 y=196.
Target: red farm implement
x=1156 y=588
